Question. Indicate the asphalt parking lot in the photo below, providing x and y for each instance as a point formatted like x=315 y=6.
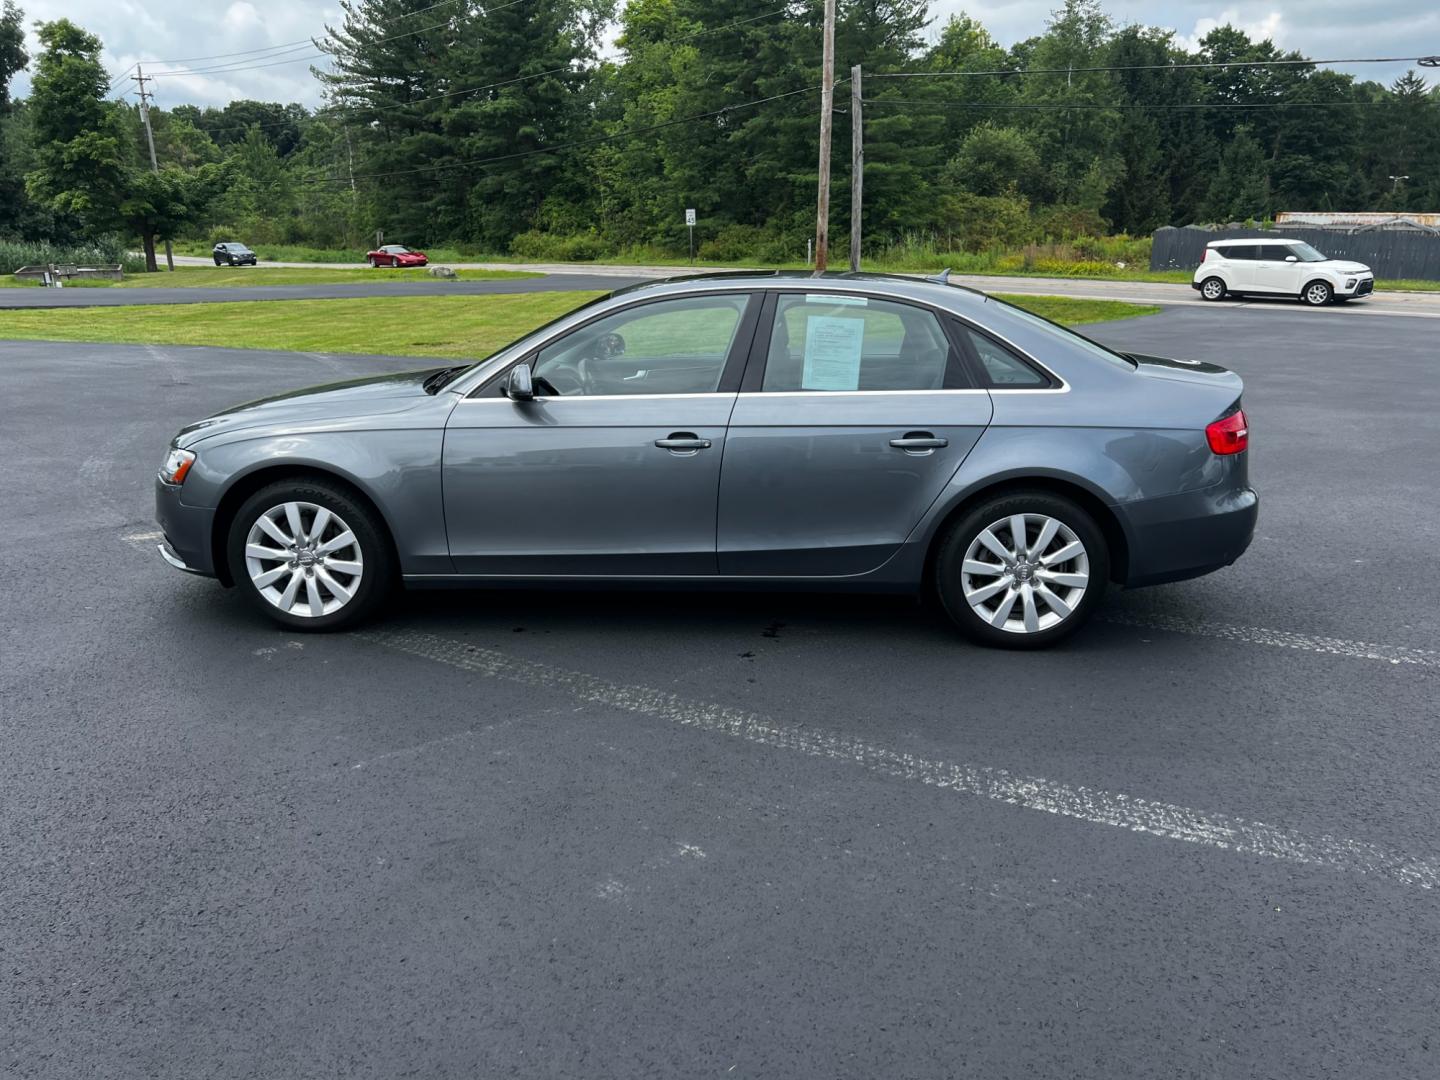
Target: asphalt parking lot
x=667 y=835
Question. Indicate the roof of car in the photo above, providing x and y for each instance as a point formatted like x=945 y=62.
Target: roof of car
x=934 y=289
x=1253 y=240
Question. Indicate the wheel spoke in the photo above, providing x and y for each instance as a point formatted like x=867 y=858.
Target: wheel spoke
x=1027 y=603
x=1047 y=534
x=1065 y=581
x=312 y=593
x=287 y=599
x=1002 y=613
x=317 y=527
x=259 y=551
x=344 y=540
x=1056 y=604
x=985 y=592
x=1017 y=535
x=983 y=569
x=269 y=577
x=1065 y=554
x=343 y=567
x=292 y=518
x=337 y=590
x=272 y=530
x=991 y=541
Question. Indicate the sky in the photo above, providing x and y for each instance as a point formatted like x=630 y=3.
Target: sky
x=171 y=35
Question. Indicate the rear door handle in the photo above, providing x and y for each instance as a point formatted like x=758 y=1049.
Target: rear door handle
x=919 y=440
x=683 y=440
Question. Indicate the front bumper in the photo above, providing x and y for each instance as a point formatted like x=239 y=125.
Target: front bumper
x=1184 y=536
x=1362 y=287
x=186 y=529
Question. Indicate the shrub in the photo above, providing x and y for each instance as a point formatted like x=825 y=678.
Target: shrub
x=585 y=247
x=107 y=251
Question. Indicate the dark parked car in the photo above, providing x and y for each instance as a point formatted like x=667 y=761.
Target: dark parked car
x=395 y=255
x=858 y=432
x=232 y=254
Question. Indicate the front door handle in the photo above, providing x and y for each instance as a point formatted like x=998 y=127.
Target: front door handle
x=683 y=441
x=919 y=441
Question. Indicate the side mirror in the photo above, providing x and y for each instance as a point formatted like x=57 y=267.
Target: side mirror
x=520 y=384
x=1291 y=258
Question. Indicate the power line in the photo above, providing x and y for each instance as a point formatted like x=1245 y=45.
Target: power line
x=1423 y=61
x=1000 y=106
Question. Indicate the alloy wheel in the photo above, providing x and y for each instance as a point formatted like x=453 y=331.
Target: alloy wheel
x=1025 y=573
x=1213 y=289
x=1317 y=294
x=304 y=559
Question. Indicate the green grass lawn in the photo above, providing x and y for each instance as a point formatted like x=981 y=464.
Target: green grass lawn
x=225 y=276
x=460 y=327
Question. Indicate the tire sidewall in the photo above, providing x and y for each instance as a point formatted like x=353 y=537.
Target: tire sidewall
x=376 y=582
x=957 y=539
x=1218 y=296
x=1329 y=294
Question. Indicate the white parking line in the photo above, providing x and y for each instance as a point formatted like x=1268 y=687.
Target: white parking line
x=142 y=539
x=1284 y=639
x=1029 y=792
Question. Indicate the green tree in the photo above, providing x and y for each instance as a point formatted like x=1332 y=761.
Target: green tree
x=995 y=161
x=13 y=59
x=159 y=205
x=80 y=148
x=1241 y=190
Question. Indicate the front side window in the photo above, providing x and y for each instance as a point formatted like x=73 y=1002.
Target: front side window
x=667 y=347
x=835 y=342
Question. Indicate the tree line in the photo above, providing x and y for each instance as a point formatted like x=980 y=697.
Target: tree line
x=504 y=128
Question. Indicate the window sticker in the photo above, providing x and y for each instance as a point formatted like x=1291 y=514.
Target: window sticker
x=829 y=298
x=832 y=353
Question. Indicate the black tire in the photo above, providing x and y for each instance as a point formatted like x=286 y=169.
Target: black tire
x=1317 y=293
x=373 y=264
x=958 y=539
x=217 y=262
x=1212 y=289
x=376 y=581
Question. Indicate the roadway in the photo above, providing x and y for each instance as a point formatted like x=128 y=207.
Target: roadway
x=679 y=835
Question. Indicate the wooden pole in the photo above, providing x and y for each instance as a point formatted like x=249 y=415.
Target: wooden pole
x=827 y=108
x=857 y=167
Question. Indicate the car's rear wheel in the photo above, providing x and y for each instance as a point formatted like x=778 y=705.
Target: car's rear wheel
x=1022 y=571
x=310 y=555
x=1212 y=288
x=1317 y=294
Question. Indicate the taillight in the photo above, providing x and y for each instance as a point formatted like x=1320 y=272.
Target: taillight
x=1230 y=434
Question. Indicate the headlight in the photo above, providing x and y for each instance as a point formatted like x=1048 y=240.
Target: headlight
x=177 y=464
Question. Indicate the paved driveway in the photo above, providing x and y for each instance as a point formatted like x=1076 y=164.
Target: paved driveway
x=601 y=835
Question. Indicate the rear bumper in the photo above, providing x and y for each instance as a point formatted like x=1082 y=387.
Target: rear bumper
x=1185 y=536
x=187 y=531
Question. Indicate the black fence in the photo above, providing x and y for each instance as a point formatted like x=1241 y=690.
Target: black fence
x=1413 y=255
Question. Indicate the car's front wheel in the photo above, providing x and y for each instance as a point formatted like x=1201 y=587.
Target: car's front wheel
x=1212 y=288
x=373 y=263
x=1317 y=294
x=1022 y=571
x=310 y=555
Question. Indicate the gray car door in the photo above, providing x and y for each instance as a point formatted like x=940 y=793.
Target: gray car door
x=613 y=468
x=856 y=411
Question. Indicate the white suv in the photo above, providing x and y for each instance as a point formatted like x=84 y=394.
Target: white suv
x=1279 y=268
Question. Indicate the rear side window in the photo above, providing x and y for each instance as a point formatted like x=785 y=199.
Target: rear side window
x=1003 y=369
x=836 y=342
x=1238 y=251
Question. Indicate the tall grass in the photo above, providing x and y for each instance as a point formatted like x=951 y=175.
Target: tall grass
x=109 y=251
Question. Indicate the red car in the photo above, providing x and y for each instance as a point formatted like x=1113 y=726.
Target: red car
x=396 y=255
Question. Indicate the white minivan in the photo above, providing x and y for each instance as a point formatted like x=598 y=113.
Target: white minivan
x=1278 y=268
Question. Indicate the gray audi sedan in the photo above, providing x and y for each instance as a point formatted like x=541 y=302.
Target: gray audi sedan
x=852 y=431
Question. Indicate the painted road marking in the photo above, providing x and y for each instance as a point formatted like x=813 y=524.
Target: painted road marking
x=142 y=539
x=1283 y=639
x=1029 y=792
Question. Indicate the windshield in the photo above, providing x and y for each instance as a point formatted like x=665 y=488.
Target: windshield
x=395 y=249
x=1094 y=348
x=1306 y=253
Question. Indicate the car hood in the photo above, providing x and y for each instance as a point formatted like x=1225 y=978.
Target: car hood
x=1190 y=371
x=372 y=396
x=1343 y=266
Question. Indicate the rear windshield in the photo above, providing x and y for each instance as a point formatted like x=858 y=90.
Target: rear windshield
x=1094 y=348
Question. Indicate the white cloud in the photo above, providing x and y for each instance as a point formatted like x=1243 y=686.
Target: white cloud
x=1270 y=26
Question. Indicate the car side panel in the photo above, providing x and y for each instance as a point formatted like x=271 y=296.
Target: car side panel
x=397 y=468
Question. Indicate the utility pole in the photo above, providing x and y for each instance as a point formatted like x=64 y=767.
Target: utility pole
x=857 y=167
x=141 y=80
x=827 y=104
